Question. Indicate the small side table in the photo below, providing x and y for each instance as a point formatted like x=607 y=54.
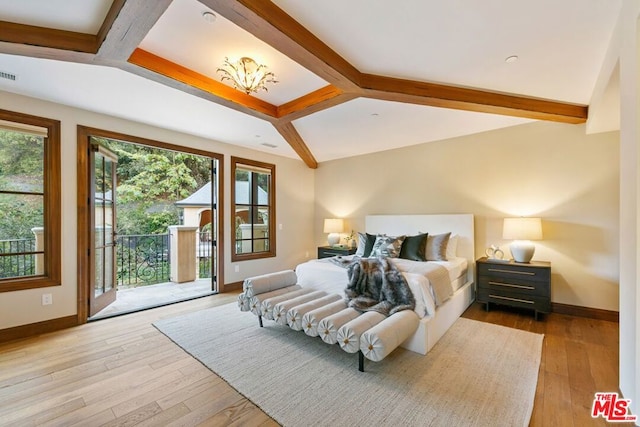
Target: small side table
x=516 y=284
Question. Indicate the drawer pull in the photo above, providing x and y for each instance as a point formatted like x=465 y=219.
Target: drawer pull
x=512 y=299
x=524 y=273
x=509 y=285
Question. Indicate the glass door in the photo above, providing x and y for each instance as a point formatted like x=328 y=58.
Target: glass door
x=103 y=230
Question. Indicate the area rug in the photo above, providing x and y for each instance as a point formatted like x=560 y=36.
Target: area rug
x=478 y=374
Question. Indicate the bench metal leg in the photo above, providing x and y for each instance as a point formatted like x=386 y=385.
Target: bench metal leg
x=360 y=361
x=260 y=320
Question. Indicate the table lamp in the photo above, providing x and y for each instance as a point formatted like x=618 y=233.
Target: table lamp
x=522 y=231
x=333 y=226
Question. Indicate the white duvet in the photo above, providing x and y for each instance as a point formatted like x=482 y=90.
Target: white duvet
x=322 y=274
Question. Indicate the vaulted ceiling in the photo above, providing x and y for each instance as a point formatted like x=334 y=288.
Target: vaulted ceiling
x=354 y=77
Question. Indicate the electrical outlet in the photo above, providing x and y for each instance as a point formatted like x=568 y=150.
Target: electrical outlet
x=306 y=254
x=280 y=226
x=47 y=299
x=236 y=268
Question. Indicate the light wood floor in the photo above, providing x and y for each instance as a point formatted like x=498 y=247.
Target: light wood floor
x=123 y=372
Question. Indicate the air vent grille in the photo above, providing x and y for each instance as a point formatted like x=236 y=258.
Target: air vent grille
x=266 y=144
x=8 y=76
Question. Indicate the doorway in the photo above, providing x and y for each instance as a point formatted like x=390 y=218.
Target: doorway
x=127 y=256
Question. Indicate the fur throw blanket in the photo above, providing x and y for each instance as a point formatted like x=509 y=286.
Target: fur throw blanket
x=375 y=284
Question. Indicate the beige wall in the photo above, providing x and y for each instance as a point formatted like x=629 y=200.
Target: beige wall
x=294 y=202
x=550 y=170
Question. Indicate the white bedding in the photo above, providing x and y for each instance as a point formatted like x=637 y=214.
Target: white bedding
x=322 y=274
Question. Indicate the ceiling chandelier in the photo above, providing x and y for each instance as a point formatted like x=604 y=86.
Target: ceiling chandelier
x=246 y=75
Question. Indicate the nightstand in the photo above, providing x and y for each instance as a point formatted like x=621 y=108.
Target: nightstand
x=329 y=251
x=524 y=285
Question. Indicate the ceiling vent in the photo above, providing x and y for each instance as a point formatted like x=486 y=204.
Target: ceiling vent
x=8 y=76
x=266 y=144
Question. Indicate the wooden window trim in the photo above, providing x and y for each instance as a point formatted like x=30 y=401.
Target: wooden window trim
x=52 y=206
x=272 y=210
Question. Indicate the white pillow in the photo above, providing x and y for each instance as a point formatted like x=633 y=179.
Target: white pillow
x=452 y=247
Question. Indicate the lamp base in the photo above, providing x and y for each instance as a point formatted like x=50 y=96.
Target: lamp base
x=522 y=250
x=333 y=239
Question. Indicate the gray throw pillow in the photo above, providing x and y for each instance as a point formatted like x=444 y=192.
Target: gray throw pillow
x=436 y=247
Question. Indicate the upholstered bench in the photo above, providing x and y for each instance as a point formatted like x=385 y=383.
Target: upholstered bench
x=277 y=296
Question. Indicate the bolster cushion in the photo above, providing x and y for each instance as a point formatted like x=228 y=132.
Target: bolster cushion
x=311 y=319
x=243 y=302
x=294 y=315
x=349 y=334
x=280 y=310
x=377 y=342
x=328 y=327
x=267 y=305
x=255 y=302
x=268 y=282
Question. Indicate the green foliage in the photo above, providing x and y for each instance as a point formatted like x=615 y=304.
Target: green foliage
x=21 y=167
x=150 y=181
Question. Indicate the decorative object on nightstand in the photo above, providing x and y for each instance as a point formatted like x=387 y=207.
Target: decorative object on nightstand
x=522 y=231
x=329 y=251
x=524 y=285
x=333 y=226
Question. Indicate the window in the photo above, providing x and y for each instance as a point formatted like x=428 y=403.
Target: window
x=29 y=202
x=253 y=198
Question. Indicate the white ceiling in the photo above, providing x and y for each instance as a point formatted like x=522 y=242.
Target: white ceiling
x=560 y=45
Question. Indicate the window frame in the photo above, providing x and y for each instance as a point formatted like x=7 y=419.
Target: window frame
x=236 y=163
x=52 y=206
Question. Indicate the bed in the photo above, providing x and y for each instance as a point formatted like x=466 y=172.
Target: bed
x=323 y=274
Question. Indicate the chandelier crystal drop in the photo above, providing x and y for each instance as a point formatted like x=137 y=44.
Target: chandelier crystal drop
x=246 y=75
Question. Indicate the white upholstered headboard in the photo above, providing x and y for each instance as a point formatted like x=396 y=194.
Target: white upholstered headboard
x=460 y=224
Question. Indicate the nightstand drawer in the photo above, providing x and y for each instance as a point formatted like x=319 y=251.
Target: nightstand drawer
x=518 y=273
x=499 y=296
x=514 y=285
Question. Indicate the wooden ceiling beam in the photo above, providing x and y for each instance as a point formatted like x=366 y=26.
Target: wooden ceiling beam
x=32 y=35
x=275 y=27
x=444 y=96
x=291 y=135
x=214 y=90
x=321 y=99
x=126 y=25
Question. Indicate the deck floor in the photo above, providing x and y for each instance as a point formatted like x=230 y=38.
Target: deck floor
x=142 y=297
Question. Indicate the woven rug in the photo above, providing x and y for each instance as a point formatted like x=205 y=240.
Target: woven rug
x=478 y=374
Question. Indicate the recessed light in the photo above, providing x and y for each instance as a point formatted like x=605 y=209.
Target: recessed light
x=210 y=17
x=511 y=59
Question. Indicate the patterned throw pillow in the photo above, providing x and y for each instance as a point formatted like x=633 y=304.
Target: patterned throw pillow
x=436 y=248
x=365 y=244
x=388 y=246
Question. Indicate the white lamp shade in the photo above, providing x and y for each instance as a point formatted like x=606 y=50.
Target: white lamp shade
x=333 y=225
x=522 y=229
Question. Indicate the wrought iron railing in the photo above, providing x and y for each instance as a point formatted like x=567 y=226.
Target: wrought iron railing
x=143 y=259
x=13 y=261
x=205 y=254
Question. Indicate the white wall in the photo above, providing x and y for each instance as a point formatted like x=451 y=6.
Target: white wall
x=543 y=169
x=295 y=210
x=629 y=203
